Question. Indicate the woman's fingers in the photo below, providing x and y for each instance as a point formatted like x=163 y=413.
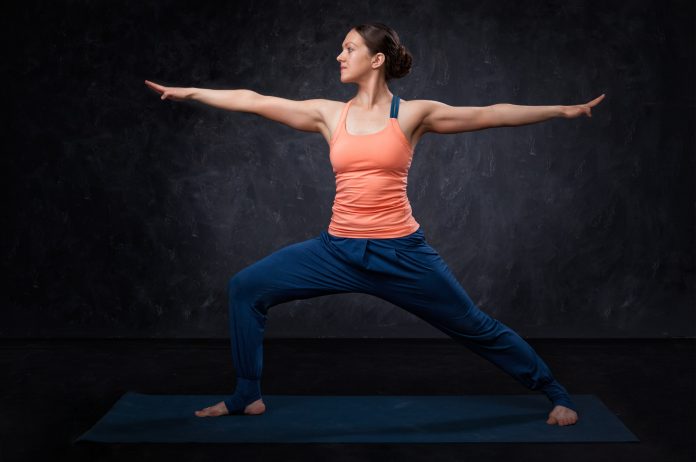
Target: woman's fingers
x=166 y=92
x=587 y=108
x=596 y=101
x=154 y=86
x=580 y=109
x=593 y=103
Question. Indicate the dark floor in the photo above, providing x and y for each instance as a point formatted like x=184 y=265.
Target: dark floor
x=53 y=391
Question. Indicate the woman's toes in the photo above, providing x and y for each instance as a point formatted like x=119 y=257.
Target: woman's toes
x=213 y=411
x=203 y=412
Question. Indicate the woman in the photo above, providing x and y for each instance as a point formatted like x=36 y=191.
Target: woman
x=373 y=243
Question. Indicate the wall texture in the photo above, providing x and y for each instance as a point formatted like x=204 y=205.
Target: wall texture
x=127 y=215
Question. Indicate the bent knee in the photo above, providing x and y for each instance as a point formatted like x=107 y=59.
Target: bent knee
x=240 y=284
x=245 y=287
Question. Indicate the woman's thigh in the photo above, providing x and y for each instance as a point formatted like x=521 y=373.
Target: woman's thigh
x=425 y=286
x=297 y=271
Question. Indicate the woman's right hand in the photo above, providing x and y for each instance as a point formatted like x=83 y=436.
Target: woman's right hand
x=173 y=93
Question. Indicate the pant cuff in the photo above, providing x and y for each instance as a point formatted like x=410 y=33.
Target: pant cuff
x=246 y=392
x=558 y=395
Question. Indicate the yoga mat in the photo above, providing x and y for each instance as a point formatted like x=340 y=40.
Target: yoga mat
x=138 y=417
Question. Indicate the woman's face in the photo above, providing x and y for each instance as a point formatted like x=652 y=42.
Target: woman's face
x=355 y=59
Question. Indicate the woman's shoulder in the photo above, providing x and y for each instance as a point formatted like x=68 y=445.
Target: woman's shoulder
x=329 y=107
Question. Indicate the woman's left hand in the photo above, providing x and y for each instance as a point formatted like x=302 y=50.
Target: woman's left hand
x=570 y=112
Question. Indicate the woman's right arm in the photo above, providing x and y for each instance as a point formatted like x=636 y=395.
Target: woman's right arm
x=307 y=115
x=231 y=100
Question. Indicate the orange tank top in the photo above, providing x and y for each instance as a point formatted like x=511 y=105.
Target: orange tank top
x=371 y=178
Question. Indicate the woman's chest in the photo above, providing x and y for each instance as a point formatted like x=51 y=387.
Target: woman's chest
x=370 y=152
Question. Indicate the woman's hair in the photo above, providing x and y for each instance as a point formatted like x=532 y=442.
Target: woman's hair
x=380 y=38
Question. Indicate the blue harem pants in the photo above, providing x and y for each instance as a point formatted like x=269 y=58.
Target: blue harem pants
x=405 y=271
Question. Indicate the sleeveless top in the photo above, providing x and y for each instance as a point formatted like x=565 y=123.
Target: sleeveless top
x=371 y=178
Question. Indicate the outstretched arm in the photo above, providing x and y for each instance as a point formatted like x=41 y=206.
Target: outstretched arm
x=442 y=118
x=511 y=115
x=304 y=115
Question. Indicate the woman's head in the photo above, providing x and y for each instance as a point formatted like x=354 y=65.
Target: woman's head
x=373 y=47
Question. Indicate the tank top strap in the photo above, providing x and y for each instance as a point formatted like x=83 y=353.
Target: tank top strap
x=344 y=113
x=341 y=121
x=394 y=113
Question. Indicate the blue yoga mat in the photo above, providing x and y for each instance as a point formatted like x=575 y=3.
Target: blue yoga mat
x=138 y=417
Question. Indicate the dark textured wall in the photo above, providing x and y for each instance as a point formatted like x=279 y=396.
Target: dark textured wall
x=127 y=215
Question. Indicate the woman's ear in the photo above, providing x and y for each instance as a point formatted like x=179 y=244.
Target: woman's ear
x=378 y=59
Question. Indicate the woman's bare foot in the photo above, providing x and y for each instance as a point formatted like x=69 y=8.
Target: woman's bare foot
x=561 y=415
x=255 y=408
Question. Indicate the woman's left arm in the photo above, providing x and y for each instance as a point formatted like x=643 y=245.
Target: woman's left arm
x=442 y=118
x=511 y=115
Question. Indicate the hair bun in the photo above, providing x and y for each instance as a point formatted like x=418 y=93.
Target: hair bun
x=381 y=38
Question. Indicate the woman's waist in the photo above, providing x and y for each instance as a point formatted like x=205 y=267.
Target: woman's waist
x=339 y=228
x=370 y=205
